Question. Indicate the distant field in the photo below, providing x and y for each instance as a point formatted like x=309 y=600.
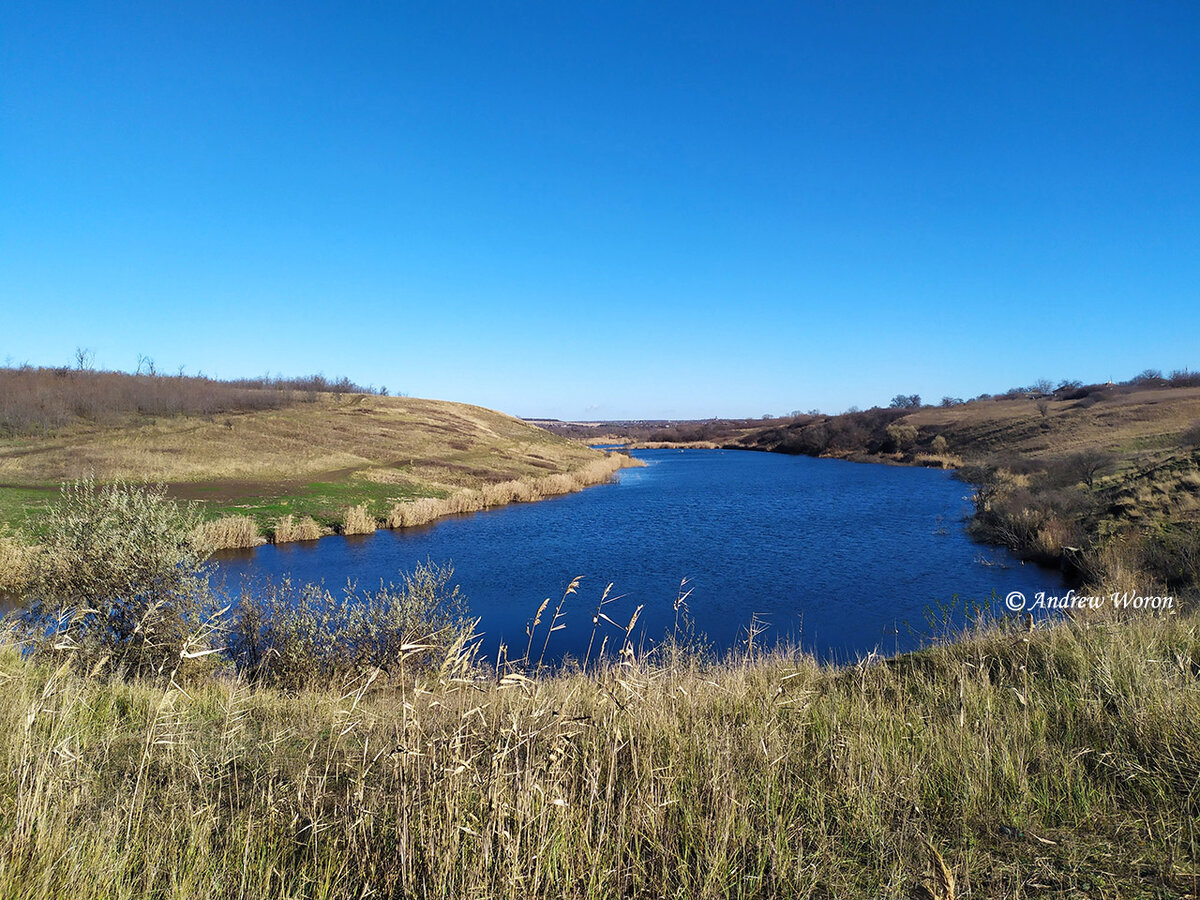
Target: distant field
x=306 y=458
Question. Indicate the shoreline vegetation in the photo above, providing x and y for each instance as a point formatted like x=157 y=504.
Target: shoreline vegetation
x=268 y=459
x=1101 y=481
x=241 y=532
x=158 y=738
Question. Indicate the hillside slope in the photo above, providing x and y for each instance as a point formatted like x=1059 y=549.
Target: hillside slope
x=306 y=458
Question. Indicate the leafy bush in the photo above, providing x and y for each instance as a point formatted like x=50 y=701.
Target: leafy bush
x=902 y=437
x=118 y=580
x=120 y=584
x=289 y=634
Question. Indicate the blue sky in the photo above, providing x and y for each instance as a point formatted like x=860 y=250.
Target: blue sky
x=606 y=210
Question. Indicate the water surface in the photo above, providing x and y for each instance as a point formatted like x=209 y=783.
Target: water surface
x=842 y=558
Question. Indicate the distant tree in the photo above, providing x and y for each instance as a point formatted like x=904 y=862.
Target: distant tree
x=951 y=401
x=906 y=401
x=939 y=445
x=1043 y=386
x=1184 y=378
x=1088 y=465
x=1066 y=385
x=83 y=358
x=1043 y=406
x=1148 y=376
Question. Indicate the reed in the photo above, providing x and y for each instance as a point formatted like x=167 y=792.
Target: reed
x=289 y=529
x=977 y=769
x=16 y=559
x=228 y=532
x=521 y=490
x=358 y=520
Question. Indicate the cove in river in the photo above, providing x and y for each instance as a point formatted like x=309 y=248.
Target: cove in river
x=842 y=558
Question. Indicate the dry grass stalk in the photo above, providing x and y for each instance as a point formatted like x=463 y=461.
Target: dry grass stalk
x=16 y=558
x=773 y=778
x=229 y=532
x=289 y=529
x=519 y=490
x=358 y=520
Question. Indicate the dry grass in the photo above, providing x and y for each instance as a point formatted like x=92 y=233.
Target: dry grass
x=15 y=558
x=274 y=460
x=1057 y=762
x=343 y=433
x=1141 y=419
x=522 y=490
x=229 y=532
x=289 y=529
x=358 y=520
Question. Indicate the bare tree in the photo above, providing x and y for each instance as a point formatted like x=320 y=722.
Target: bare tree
x=84 y=358
x=906 y=401
x=1088 y=465
x=1043 y=406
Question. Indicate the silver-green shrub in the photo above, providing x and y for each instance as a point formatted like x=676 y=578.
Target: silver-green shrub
x=118 y=581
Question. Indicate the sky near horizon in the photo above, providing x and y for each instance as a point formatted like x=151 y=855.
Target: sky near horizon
x=606 y=210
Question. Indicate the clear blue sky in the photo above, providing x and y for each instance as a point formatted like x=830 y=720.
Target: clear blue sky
x=606 y=209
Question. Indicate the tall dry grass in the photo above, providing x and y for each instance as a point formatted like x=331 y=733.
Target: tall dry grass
x=1066 y=757
x=290 y=529
x=16 y=558
x=521 y=490
x=228 y=533
x=358 y=520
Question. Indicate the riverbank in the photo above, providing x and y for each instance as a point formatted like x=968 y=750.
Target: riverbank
x=1101 y=481
x=1055 y=762
x=159 y=739
x=288 y=466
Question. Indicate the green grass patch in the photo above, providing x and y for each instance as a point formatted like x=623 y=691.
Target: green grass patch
x=325 y=501
x=21 y=507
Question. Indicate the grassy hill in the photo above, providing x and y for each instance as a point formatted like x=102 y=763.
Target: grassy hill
x=313 y=456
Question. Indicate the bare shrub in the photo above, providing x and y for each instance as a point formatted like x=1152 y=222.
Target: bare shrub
x=39 y=400
x=1088 y=465
x=1190 y=439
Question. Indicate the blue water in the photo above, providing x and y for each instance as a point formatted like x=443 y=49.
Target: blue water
x=842 y=558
